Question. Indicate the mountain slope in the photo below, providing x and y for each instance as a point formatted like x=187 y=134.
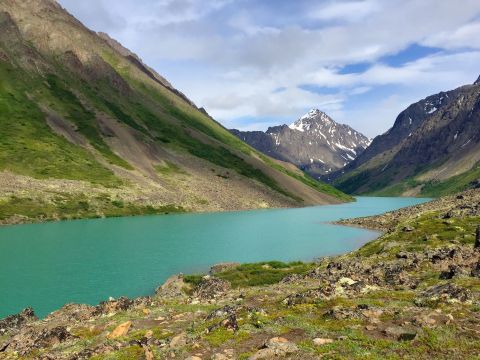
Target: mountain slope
x=87 y=129
x=432 y=149
x=315 y=143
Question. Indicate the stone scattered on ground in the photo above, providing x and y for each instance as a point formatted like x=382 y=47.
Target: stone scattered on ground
x=178 y=340
x=401 y=332
x=275 y=347
x=120 y=330
x=322 y=341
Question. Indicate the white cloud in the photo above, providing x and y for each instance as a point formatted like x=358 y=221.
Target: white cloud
x=360 y=90
x=242 y=52
x=467 y=36
x=166 y=12
x=345 y=10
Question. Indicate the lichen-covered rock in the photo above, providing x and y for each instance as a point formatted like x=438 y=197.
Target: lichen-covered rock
x=101 y=349
x=326 y=291
x=229 y=321
x=222 y=312
x=291 y=278
x=31 y=338
x=178 y=340
x=15 y=322
x=114 y=305
x=443 y=293
x=322 y=341
x=454 y=271
x=219 y=356
x=401 y=333
x=73 y=312
x=341 y=313
x=281 y=345
x=395 y=275
x=476 y=270
x=173 y=287
x=211 y=287
x=275 y=347
x=120 y=330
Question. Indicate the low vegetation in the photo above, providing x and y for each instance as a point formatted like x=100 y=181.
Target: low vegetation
x=411 y=185
x=168 y=168
x=257 y=274
x=29 y=147
x=466 y=180
x=65 y=207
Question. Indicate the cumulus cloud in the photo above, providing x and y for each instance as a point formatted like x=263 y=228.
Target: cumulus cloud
x=345 y=10
x=467 y=36
x=97 y=16
x=232 y=57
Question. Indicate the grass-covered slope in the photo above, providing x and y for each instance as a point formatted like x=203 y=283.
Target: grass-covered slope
x=419 y=186
x=76 y=106
x=435 y=188
x=28 y=144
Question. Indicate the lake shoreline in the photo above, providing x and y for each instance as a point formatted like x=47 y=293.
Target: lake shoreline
x=375 y=232
x=390 y=296
x=187 y=243
x=22 y=220
x=19 y=220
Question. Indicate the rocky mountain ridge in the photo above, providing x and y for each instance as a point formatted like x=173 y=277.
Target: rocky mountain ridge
x=433 y=148
x=315 y=143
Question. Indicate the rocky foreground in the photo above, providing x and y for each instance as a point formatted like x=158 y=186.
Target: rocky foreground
x=414 y=293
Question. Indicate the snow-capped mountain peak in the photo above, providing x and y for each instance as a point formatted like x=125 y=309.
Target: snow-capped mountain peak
x=307 y=120
x=314 y=142
x=313 y=113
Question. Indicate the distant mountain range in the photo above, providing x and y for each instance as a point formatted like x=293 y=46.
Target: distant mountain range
x=432 y=149
x=87 y=129
x=314 y=143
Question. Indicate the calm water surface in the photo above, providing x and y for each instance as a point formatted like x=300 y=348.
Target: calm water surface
x=86 y=261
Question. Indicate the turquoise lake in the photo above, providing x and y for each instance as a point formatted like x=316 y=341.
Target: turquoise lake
x=85 y=261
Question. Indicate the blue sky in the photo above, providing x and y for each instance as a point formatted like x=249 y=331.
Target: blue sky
x=254 y=64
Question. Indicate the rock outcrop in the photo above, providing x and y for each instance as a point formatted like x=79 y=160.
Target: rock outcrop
x=15 y=322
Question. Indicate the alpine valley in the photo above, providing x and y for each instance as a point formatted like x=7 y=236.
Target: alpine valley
x=88 y=130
